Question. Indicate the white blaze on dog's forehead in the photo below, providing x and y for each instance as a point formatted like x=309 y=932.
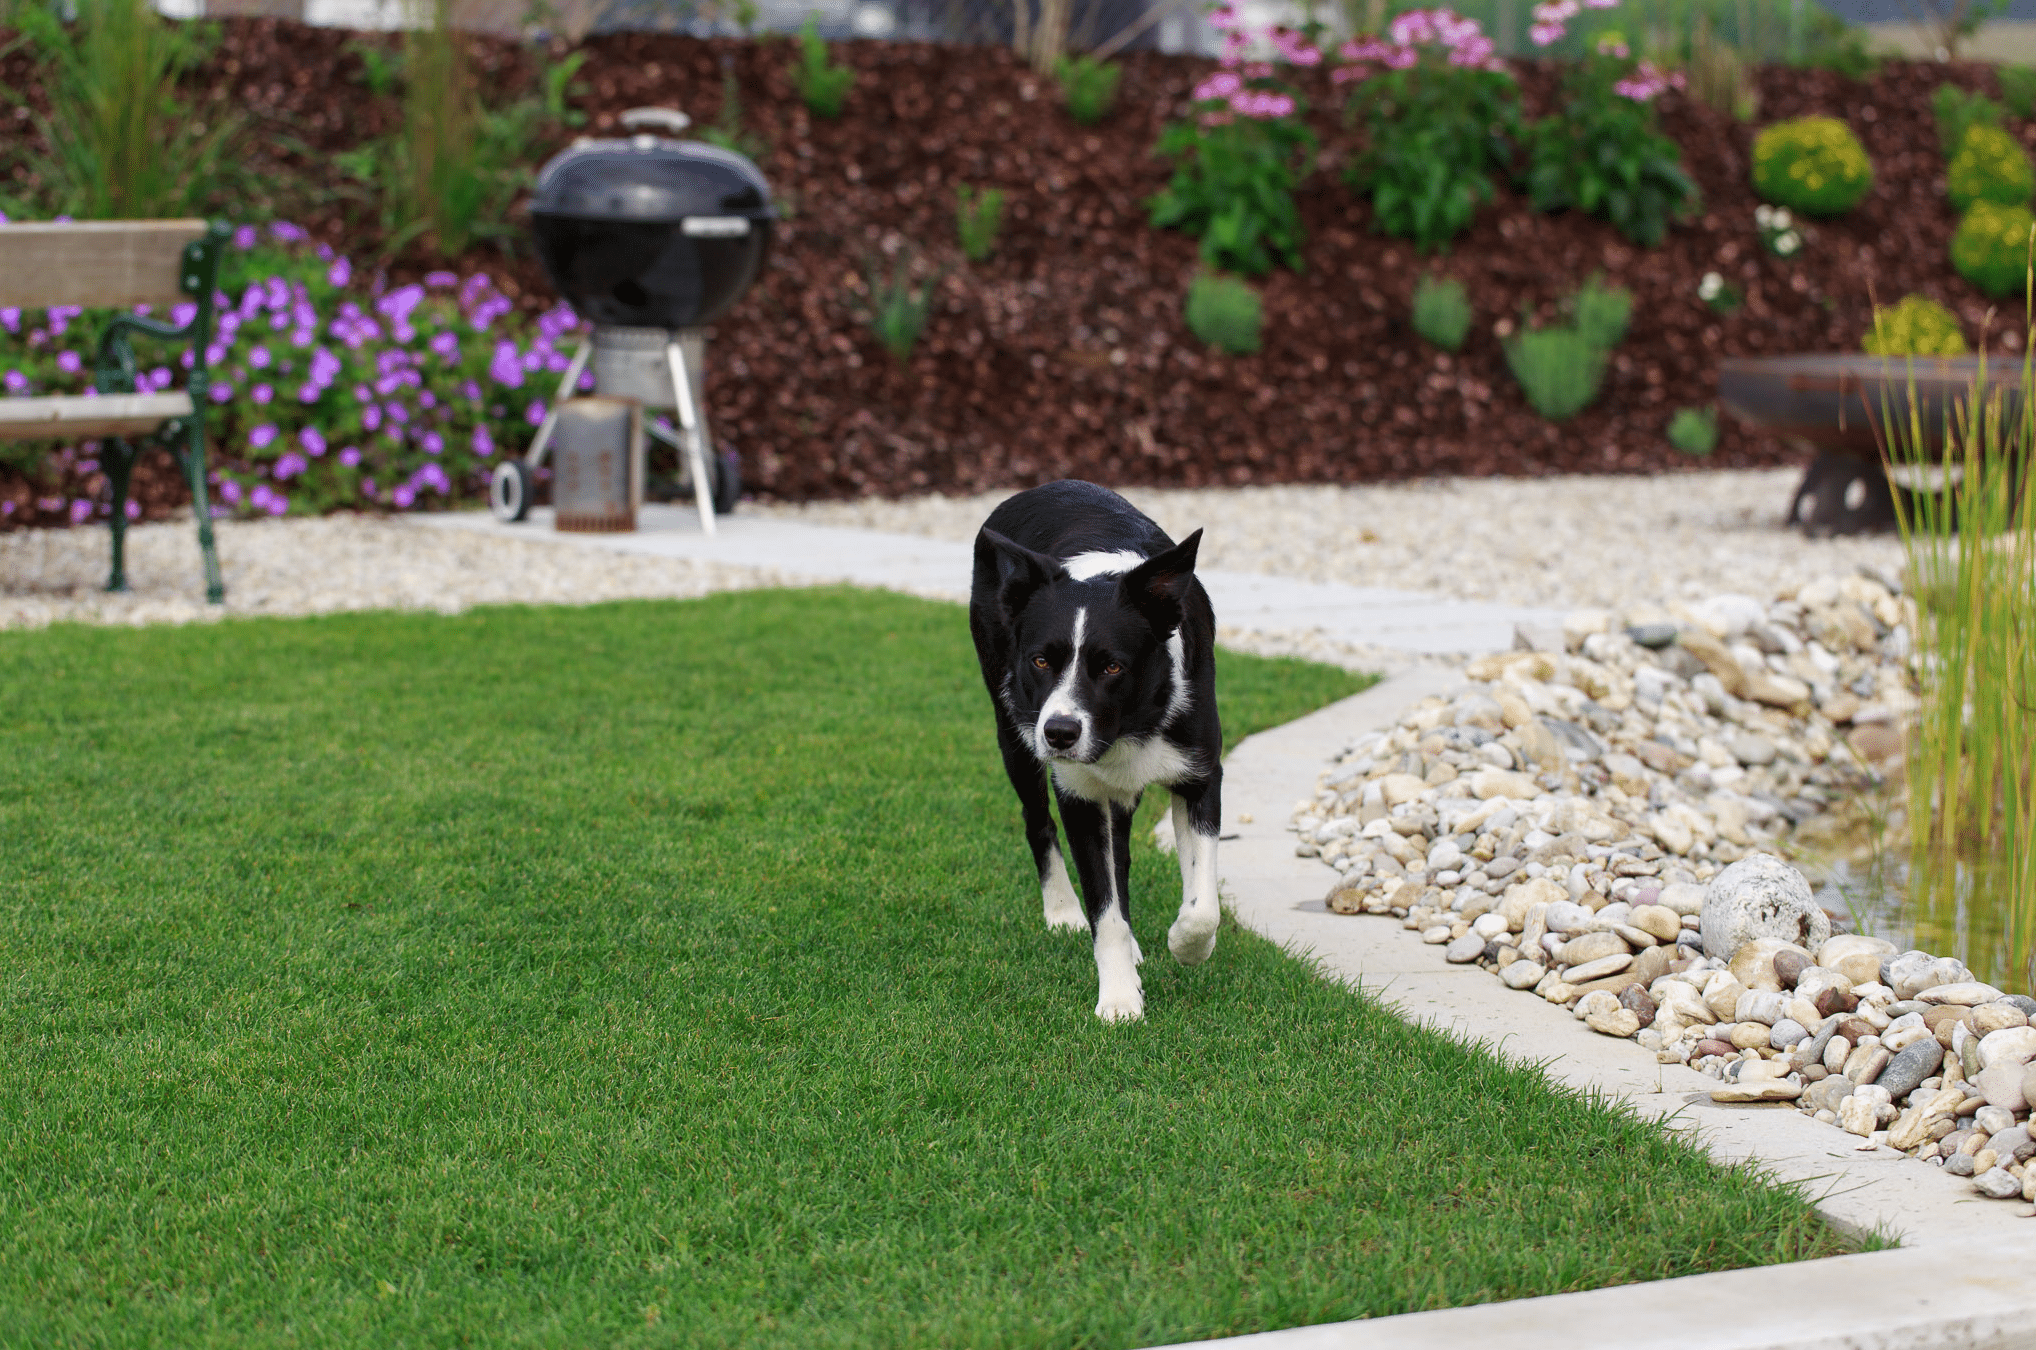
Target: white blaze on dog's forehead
x=1062 y=701
x=1087 y=566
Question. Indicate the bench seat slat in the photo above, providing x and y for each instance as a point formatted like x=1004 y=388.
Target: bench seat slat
x=94 y=263
x=68 y=416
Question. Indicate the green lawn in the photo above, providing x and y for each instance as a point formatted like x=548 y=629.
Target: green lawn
x=672 y=974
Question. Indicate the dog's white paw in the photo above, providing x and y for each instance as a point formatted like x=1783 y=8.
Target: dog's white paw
x=1063 y=907
x=1191 y=939
x=1121 y=1005
x=1067 y=920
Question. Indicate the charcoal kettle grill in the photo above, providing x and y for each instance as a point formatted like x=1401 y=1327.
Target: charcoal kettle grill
x=652 y=238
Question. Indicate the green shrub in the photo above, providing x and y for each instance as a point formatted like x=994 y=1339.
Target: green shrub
x=1811 y=164
x=1694 y=431
x=1233 y=186
x=1919 y=326
x=822 y=87
x=1602 y=312
x=1089 y=85
x=1224 y=312
x=1438 y=135
x=1559 y=368
x=2018 y=89
x=1990 y=166
x=978 y=216
x=1442 y=311
x=1958 y=110
x=1991 y=247
x=1604 y=154
x=895 y=312
x=727 y=130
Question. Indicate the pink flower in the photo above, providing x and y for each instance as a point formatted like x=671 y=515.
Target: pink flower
x=1613 y=47
x=1415 y=26
x=1476 y=51
x=1222 y=84
x=1542 y=34
x=1224 y=17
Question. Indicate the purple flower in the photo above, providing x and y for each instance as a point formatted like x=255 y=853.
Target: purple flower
x=371 y=416
x=81 y=511
x=278 y=321
x=262 y=436
x=432 y=443
x=506 y=368
x=278 y=504
x=10 y=319
x=245 y=237
x=133 y=509
x=286 y=233
x=484 y=444
x=220 y=392
x=339 y=273
x=447 y=345
x=470 y=391
x=259 y=358
x=161 y=376
x=312 y=440
x=534 y=414
x=350 y=457
x=403 y=496
x=69 y=363
x=215 y=355
x=289 y=464
x=325 y=367
x=398 y=304
x=261 y=393
x=324 y=252
x=260 y=497
x=276 y=293
x=426 y=399
x=586 y=379
x=229 y=491
x=17 y=383
x=437 y=279
x=397 y=412
x=308 y=392
x=188 y=359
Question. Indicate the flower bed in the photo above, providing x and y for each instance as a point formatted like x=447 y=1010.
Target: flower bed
x=1597 y=824
x=326 y=389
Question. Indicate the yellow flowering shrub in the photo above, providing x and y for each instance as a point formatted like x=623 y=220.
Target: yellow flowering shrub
x=1991 y=247
x=1990 y=166
x=1814 y=165
x=1919 y=326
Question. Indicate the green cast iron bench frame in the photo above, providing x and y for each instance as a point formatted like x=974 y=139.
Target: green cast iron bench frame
x=119 y=264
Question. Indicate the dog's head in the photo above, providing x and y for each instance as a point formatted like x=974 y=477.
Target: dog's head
x=1095 y=655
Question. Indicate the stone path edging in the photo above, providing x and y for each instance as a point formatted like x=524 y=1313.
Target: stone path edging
x=1960 y=1280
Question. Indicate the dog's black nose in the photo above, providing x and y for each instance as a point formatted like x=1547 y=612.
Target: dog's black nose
x=1061 y=732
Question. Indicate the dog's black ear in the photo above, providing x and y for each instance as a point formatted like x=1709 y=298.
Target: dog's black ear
x=1019 y=570
x=1157 y=586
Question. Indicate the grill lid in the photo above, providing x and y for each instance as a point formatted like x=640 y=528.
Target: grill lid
x=648 y=178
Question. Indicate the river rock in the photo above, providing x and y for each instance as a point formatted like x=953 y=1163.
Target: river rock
x=1826 y=1095
x=1941 y=1020
x=1789 y=967
x=1858 y=1115
x=1787 y=1033
x=1486 y=784
x=1854 y=944
x=1621 y=1022
x=2002 y=1086
x=1465 y=949
x=1760 y=896
x=1523 y=974
x=1658 y=921
x=1991 y=1017
x=1750 y=1036
x=2013 y=1145
x=1684 y=897
x=1678 y=1000
x=1712 y=1046
x=1721 y=994
x=1635 y=999
x=1763 y=1090
x=2024 y=1002
x=1966 y=993
x=2016 y=1045
x=1587 y=947
x=1998 y=1183
x=1598 y=969
x=1910 y=973
x=1753 y=964
x=1906 y=1071
x=1758 y=1005
x=1566 y=916
x=2029 y=1082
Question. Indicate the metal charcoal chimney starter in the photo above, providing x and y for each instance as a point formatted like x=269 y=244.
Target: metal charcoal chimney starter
x=651 y=238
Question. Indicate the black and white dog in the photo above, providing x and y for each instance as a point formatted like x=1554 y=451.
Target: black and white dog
x=1097 y=644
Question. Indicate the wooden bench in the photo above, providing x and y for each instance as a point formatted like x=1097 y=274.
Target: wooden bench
x=119 y=264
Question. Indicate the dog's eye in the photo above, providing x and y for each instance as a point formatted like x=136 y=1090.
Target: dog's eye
x=1113 y=669
x=1040 y=661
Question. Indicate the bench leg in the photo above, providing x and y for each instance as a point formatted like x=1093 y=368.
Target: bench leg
x=118 y=457
x=191 y=454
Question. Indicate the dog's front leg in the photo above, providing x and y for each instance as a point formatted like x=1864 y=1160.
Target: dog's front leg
x=1099 y=835
x=1198 y=817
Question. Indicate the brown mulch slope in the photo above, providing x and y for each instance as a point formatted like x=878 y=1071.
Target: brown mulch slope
x=1067 y=352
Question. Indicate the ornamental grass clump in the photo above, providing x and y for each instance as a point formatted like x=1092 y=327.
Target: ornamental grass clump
x=1442 y=312
x=2018 y=89
x=823 y=87
x=329 y=389
x=978 y=216
x=1089 y=86
x=1442 y=116
x=1225 y=313
x=895 y=310
x=1814 y=165
x=1990 y=248
x=1561 y=367
x=1694 y=431
x=1959 y=110
x=1239 y=158
x=1918 y=326
x=1604 y=153
x=1990 y=166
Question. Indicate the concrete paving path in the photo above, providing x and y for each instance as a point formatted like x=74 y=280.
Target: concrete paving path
x=1402 y=621
x=1965 y=1277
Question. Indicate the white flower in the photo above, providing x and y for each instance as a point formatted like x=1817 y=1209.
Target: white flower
x=1763 y=216
x=1709 y=288
x=1780 y=218
x=1787 y=243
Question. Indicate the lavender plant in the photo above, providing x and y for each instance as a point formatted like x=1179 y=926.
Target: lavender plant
x=329 y=389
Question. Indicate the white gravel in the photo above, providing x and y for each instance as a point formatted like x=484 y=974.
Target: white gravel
x=323 y=566
x=1606 y=541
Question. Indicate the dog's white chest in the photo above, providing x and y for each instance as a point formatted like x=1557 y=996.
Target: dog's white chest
x=1130 y=766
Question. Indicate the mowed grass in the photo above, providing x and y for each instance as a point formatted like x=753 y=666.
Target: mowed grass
x=673 y=974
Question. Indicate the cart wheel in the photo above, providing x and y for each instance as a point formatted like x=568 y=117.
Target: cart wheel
x=727 y=480
x=509 y=491
x=1843 y=494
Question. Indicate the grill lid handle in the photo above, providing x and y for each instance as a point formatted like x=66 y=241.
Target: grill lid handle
x=671 y=119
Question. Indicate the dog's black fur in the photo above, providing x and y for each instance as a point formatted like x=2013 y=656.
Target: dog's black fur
x=1138 y=707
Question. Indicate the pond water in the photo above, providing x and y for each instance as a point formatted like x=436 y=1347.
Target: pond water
x=1857 y=862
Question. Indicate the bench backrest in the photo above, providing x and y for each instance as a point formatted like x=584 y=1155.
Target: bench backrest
x=94 y=263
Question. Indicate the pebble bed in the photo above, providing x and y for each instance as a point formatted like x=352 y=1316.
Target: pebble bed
x=322 y=566
x=1596 y=823
x=1544 y=542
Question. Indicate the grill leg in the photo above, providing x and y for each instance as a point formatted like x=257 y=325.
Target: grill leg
x=566 y=389
x=690 y=421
